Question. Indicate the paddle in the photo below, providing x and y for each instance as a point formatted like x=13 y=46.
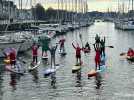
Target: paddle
x=106 y=46
x=81 y=39
x=123 y=54
x=21 y=60
x=110 y=46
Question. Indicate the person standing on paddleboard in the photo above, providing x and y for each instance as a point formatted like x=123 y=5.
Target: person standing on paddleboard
x=45 y=45
x=78 y=53
x=97 y=56
x=61 y=42
x=35 y=52
x=102 y=46
x=52 y=50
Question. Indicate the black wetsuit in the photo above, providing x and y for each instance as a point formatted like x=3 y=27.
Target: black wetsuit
x=102 y=46
x=52 y=52
x=87 y=46
x=97 y=41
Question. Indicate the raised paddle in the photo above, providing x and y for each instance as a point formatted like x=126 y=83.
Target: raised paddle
x=105 y=46
x=81 y=39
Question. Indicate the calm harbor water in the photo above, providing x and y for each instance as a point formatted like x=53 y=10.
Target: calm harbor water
x=116 y=83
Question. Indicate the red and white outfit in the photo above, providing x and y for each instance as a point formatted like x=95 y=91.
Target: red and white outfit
x=130 y=53
x=35 y=53
x=97 y=58
x=13 y=57
x=78 y=53
x=62 y=41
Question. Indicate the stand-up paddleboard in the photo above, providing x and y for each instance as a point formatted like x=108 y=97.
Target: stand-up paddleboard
x=102 y=68
x=63 y=53
x=18 y=68
x=94 y=72
x=32 y=67
x=49 y=71
x=86 y=50
x=44 y=57
x=76 y=68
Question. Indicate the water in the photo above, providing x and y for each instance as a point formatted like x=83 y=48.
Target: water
x=114 y=84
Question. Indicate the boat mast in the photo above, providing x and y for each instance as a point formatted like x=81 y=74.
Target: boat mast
x=58 y=12
x=8 y=10
x=61 y=10
x=35 y=17
x=31 y=9
x=72 y=12
x=132 y=5
x=118 y=9
x=68 y=7
x=75 y=9
x=66 y=10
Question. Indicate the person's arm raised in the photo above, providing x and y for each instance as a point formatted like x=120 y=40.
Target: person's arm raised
x=73 y=45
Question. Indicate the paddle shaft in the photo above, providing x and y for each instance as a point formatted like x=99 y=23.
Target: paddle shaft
x=81 y=39
x=110 y=46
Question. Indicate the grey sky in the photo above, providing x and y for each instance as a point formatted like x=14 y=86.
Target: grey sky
x=101 y=5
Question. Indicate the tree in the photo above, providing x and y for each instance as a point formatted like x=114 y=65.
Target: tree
x=51 y=13
x=39 y=12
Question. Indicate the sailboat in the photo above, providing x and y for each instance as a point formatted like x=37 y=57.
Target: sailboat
x=126 y=23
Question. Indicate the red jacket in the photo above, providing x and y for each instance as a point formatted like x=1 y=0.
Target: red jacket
x=13 y=55
x=62 y=42
x=78 y=50
x=130 y=53
x=97 y=56
x=35 y=50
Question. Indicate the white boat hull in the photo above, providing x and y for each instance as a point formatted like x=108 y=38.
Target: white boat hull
x=124 y=25
x=25 y=46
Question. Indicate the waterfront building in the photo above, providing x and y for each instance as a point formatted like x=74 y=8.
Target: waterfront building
x=8 y=10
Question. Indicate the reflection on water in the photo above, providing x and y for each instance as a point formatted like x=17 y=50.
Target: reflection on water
x=63 y=85
x=13 y=80
x=34 y=73
x=53 y=80
x=78 y=79
x=1 y=80
x=98 y=81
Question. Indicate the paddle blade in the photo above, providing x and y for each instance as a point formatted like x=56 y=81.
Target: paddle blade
x=24 y=62
x=111 y=46
x=80 y=36
x=122 y=54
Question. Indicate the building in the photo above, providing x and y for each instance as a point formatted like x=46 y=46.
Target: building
x=7 y=10
x=0 y=9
